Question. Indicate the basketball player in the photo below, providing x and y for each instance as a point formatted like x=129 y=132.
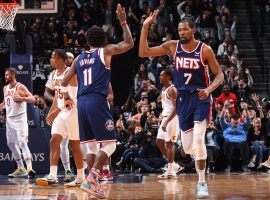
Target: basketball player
x=49 y=94
x=166 y=138
x=16 y=95
x=93 y=72
x=193 y=105
x=64 y=123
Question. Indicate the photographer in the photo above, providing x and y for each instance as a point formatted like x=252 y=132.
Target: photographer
x=150 y=159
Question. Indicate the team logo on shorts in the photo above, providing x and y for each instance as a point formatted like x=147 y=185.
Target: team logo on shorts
x=109 y=125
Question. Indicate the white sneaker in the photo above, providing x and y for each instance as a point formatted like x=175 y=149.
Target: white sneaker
x=177 y=168
x=74 y=183
x=202 y=190
x=168 y=175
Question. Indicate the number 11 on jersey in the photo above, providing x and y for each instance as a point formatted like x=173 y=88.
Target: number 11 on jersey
x=87 y=75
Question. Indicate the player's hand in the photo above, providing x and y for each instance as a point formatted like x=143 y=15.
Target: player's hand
x=69 y=103
x=49 y=119
x=203 y=94
x=149 y=20
x=164 y=127
x=121 y=13
x=17 y=98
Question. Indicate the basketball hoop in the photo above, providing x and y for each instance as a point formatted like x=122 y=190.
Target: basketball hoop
x=8 y=12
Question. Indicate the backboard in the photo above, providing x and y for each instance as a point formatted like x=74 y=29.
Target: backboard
x=38 y=6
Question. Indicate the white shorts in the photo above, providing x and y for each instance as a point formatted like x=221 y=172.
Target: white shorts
x=172 y=130
x=17 y=129
x=66 y=124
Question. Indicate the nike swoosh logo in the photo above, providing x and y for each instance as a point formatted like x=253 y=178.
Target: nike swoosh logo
x=179 y=51
x=197 y=53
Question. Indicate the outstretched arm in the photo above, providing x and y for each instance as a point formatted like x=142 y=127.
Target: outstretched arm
x=124 y=46
x=209 y=58
x=163 y=49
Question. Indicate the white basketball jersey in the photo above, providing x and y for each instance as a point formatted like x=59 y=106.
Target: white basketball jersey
x=167 y=103
x=56 y=80
x=13 y=108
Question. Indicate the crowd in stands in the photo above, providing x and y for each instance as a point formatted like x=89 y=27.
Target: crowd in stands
x=241 y=119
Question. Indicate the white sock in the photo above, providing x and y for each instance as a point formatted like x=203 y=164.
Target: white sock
x=106 y=167
x=201 y=174
x=53 y=171
x=67 y=166
x=170 y=167
x=20 y=163
x=29 y=164
x=80 y=175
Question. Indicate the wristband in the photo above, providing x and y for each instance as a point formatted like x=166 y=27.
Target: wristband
x=123 y=23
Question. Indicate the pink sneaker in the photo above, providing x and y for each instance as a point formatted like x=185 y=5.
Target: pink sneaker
x=92 y=186
x=106 y=175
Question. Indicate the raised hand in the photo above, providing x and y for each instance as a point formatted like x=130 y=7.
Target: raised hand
x=121 y=13
x=149 y=20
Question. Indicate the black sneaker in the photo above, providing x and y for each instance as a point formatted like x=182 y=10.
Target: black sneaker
x=31 y=173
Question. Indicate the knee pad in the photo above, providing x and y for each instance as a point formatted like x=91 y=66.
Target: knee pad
x=199 y=140
x=89 y=148
x=108 y=148
x=187 y=142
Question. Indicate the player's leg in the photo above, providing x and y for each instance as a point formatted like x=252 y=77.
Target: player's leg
x=102 y=126
x=74 y=139
x=160 y=141
x=106 y=174
x=65 y=158
x=59 y=131
x=12 y=143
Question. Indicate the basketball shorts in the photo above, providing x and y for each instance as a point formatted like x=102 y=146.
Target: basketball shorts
x=17 y=129
x=66 y=124
x=95 y=120
x=191 y=109
x=172 y=130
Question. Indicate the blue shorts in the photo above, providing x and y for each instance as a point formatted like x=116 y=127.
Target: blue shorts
x=95 y=120
x=191 y=109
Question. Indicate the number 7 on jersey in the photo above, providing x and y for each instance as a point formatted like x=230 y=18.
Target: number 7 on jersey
x=87 y=76
x=188 y=75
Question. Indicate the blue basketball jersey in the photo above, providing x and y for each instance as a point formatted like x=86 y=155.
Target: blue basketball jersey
x=92 y=74
x=190 y=71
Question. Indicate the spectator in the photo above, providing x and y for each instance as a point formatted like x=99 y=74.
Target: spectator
x=150 y=159
x=242 y=90
x=142 y=75
x=226 y=95
x=235 y=137
x=256 y=142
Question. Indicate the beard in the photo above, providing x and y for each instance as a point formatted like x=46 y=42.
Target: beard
x=184 y=40
x=8 y=81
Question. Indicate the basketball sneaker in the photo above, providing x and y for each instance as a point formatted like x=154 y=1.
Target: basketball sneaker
x=19 y=173
x=266 y=164
x=31 y=173
x=177 y=168
x=92 y=186
x=68 y=176
x=74 y=183
x=168 y=175
x=48 y=180
x=106 y=175
x=202 y=190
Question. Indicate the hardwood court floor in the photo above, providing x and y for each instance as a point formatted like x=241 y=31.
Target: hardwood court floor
x=135 y=186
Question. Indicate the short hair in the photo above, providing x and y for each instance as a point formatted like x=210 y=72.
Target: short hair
x=190 y=22
x=95 y=36
x=168 y=72
x=61 y=54
x=12 y=70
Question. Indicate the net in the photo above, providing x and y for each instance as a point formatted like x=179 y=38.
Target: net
x=8 y=12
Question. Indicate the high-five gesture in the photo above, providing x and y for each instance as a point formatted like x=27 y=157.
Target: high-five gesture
x=121 y=13
x=149 y=20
